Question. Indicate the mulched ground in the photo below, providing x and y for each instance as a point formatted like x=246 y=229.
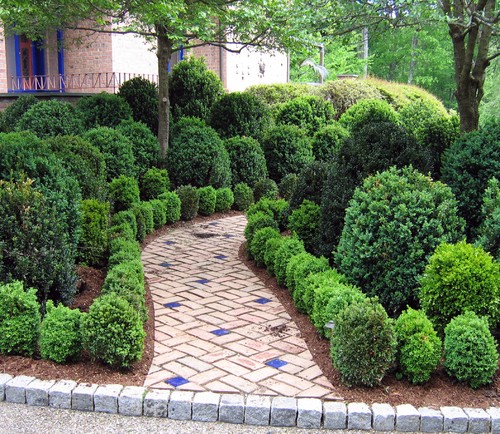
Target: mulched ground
x=439 y=391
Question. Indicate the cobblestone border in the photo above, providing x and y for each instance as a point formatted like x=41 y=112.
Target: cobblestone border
x=251 y=409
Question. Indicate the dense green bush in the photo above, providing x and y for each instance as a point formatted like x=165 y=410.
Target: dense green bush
x=94 y=237
x=287 y=150
x=489 y=230
x=255 y=222
x=154 y=183
x=190 y=201
x=419 y=347
x=310 y=184
x=460 y=277
x=159 y=213
x=257 y=248
x=60 y=334
x=125 y=217
x=116 y=149
x=368 y=111
x=287 y=249
x=392 y=226
x=274 y=208
x=102 y=110
x=327 y=140
x=49 y=119
x=173 y=205
x=140 y=222
x=265 y=188
x=197 y=156
x=307 y=112
x=194 y=89
x=271 y=247
x=304 y=222
x=15 y=111
x=276 y=93
x=19 y=319
x=363 y=344
x=146 y=209
x=467 y=166
x=224 y=200
x=142 y=97
x=113 y=332
x=248 y=163
x=287 y=186
x=470 y=351
x=299 y=267
x=123 y=250
x=123 y=230
x=243 y=196
x=123 y=193
x=208 y=197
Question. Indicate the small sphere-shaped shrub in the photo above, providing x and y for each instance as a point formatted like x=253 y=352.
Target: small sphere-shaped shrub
x=368 y=111
x=113 y=332
x=173 y=206
x=102 y=110
x=197 y=156
x=419 y=347
x=255 y=222
x=248 y=163
x=460 y=277
x=363 y=344
x=153 y=183
x=159 y=212
x=290 y=247
x=260 y=237
x=125 y=217
x=132 y=247
x=304 y=221
x=60 y=334
x=275 y=208
x=93 y=242
x=49 y=119
x=489 y=231
x=190 y=201
x=287 y=186
x=124 y=230
x=123 y=193
x=287 y=150
x=265 y=188
x=240 y=114
x=470 y=350
x=194 y=89
x=140 y=221
x=19 y=319
x=224 y=200
x=208 y=197
x=142 y=97
x=271 y=247
x=327 y=140
x=306 y=289
x=243 y=196
x=392 y=226
x=299 y=267
x=15 y=111
x=146 y=209
x=116 y=149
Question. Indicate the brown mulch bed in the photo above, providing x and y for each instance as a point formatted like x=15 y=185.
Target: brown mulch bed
x=439 y=391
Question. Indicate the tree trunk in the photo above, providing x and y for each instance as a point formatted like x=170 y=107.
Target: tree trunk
x=164 y=52
x=413 y=59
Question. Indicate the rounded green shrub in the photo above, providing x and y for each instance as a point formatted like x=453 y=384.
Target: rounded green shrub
x=265 y=188
x=197 y=156
x=287 y=150
x=123 y=230
x=260 y=237
x=142 y=97
x=93 y=242
x=173 y=205
x=368 y=111
x=125 y=217
x=190 y=201
x=19 y=319
x=113 y=331
x=300 y=266
x=363 y=344
x=327 y=140
x=287 y=186
x=287 y=249
x=274 y=208
x=248 y=163
x=271 y=247
x=225 y=199
x=489 y=230
x=146 y=209
x=276 y=93
x=123 y=193
x=154 y=183
x=255 y=222
x=419 y=347
x=304 y=222
x=310 y=183
x=159 y=213
x=470 y=351
x=460 y=277
x=102 y=110
x=307 y=288
x=392 y=226
x=140 y=222
x=243 y=196
x=123 y=250
x=49 y=119
x=60 y=334
x=15 y=111
x=208 y=197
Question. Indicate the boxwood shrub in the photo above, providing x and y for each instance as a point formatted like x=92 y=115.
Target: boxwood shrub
x=15 y=111
x=208 y=198
x=123 y=230
x=304 y=222
x=94 y=236
x=287 y=186
x=302 y=265
x=271 y=247
x=489 y=230
x=173 y=206
x=102 y=110
x=248 y=163
x=327 y=140
x=310 y=183
x=255 y=222
x=159 y=213
x=287 y=249
x=243 y=196
x=265 y=188
x=368 y=111
x=190 y=201
x=154 y=183
x=123 y=193
x=260 y=237
x=224 y=200
x=125 y=217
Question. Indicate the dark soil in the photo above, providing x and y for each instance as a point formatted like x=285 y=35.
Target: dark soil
x=439 y=391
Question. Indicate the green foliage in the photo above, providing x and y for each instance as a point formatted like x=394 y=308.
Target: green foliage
x=460 y=277
x=368 y=111
x=265 y=188
x=142 y=97
x=363 y=344
x=125 y=217
x=116 y=149
x=15 y=111
x=123 y=250
x=467 y=166
x=123 y=193
x=287 y=186
x=173 y=205
x=49 y=119
x=304 y=222
x=327 y=140
x=190 y=201
x=102 y=110
x=243 y=196
x=146 y=209
x=271 y=247
x=300 y=266
x=306 y=112
x=489 y=231
x=275 y=208
x=255 y=222
x=225 y=199
x=94 y=237
x=310 y=184
x=272 y=94
x=159 y=213
x=287 y=249
x=140 y=223
x=419 y=347
x=392 y=226
x=470 y=351
x=113 y=332
x=194 y=89
x=287 y=150
x=19 y=319
x=197 y=156
x=60 y=334
x=248 y=163
x=124 y=230
x=257 y=248
x=208 y=198
x=154 y=183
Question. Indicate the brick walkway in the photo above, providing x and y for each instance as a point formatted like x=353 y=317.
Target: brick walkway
x=218 y=328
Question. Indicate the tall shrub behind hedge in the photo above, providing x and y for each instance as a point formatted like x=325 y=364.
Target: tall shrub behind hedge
x=94 y=238
x=248 y=163
x=102 y=110
x=123 y=193
x=489 y=230
x=304 y=222
x=368 y=111
x=327 y=140
x=154 y=183
x=15 y=111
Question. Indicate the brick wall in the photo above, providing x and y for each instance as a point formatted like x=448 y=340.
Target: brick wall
x=133 y=55
x=3 y=63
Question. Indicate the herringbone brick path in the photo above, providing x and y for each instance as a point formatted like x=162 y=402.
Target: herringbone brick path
x=217 y=327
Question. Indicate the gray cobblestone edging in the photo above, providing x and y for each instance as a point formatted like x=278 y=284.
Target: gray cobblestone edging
x=251 y=409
